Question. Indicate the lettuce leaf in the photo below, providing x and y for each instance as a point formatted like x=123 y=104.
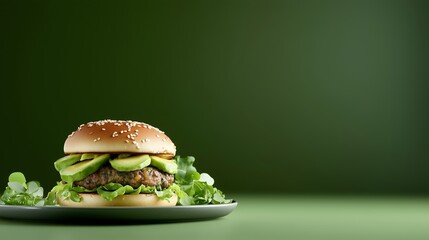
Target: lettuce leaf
x=108 y=191
x=195 y=188
x=186 y=172
x=21 y=192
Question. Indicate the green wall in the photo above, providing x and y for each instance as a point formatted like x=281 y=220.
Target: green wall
x=269 y=96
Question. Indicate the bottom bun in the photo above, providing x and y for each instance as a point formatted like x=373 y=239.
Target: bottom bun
x=95 y=200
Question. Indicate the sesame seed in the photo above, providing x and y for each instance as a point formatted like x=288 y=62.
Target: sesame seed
x=103 y=129
x=80 y=127
x=127 y=141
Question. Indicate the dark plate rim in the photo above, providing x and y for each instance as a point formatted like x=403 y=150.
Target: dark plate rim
x=123 y=214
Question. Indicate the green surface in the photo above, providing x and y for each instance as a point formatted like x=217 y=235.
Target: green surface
x=269 y=217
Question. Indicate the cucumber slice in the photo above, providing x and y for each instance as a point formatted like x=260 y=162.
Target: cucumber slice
x=130 y=163
x=82 y=169
x=87 y=156
x=66 y=161
x=168 y=166
x=124 y=155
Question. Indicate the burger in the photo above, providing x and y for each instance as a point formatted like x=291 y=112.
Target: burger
x=128 y=163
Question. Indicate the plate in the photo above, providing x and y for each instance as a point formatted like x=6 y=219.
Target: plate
x=117 y=214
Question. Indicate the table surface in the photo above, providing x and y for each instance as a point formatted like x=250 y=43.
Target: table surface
x=263 y=217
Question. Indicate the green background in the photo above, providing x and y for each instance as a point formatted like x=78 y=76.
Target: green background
x=317 y=97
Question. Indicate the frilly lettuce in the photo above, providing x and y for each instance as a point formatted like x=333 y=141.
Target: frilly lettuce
x=21 y=192
x=195 y=188
x=108 y=191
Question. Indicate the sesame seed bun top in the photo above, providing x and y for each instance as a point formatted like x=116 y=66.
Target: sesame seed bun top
x=117 y=136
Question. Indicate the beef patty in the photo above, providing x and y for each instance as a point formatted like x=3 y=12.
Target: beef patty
x=148 y=176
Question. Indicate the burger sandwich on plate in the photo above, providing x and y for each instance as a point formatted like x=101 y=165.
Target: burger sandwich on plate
x=128 y=163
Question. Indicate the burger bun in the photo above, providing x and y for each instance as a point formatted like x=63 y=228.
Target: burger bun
x=118 y=136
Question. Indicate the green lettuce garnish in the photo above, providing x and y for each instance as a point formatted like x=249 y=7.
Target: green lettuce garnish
x=195 y=188
x=19 y=192
x=108 y=191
